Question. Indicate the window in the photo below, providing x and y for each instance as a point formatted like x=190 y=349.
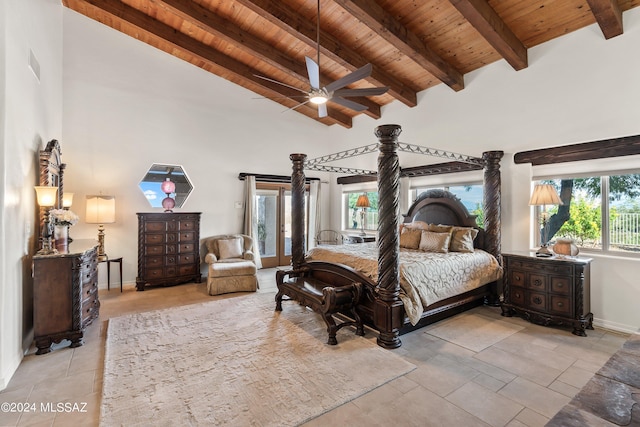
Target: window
x=353 y=217
x=471 y=196
x=598 y=212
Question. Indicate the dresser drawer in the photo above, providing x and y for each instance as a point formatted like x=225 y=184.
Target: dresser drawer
x=561 y=305
x=561 y=285
x=516 y=296
x=186 y=259
x=186 y=247
x=184 y=270
x=517 y=277
x=154 y=249
x=154 y=238
x=154 y=261
x=187 y=225
x=536 y=300
x=537 y=282
x=187 y=236
x=155 y=226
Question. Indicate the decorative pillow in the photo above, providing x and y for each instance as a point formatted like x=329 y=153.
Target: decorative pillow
x=434 y=242
x=439 y=228
x=462 y=239
x=230 y=248
x=410 y=238
x=420 y=225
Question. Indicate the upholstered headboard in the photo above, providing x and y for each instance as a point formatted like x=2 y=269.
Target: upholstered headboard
x=442 y=207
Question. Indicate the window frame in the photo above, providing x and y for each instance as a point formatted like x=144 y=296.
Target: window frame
x=605 y=211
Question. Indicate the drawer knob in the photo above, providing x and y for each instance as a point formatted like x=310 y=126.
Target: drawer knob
x=517 y=294
x=560 y=304
x=537 y=282
x=537 y=300
x=517 y=277
x=560 y=285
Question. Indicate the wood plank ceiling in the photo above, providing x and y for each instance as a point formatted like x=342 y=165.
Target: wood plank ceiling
x=412 y=44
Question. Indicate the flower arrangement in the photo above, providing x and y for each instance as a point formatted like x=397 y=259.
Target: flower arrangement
x=63 y=217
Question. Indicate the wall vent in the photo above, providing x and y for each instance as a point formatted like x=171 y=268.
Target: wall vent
x=34 y=65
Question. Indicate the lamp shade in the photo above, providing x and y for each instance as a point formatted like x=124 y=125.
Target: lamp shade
x=544 y=194
x=101 y=209
x=46 y=195
x=363 y=201
x=67 y=200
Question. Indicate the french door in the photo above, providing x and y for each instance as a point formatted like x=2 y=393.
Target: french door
x=274 y=223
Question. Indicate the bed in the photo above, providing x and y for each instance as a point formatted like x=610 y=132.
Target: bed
x=384 y=304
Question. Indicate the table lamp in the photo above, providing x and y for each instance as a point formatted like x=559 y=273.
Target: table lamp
x=101 y=210
x=46 y=196
x=543 y=195
x=363 y=204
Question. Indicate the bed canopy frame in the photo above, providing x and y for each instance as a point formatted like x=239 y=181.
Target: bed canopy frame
x=388 y=306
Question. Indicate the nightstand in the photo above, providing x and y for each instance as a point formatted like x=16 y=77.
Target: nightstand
x=548 y=291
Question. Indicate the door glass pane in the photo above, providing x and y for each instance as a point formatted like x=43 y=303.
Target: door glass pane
x=287 y=223
x=267 y=202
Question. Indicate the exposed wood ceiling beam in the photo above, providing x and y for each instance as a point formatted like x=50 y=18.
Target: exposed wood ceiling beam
x=288 y=20
x=203 y=18
x=216 y=61
x=490 y=26
x=608 y=15
x=389 y=28
x=606 y=148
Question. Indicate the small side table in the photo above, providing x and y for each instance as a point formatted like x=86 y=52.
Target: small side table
x=109 y=261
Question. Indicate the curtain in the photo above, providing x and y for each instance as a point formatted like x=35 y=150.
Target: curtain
x=403 y=199
x=251 y=216
x=314 y=213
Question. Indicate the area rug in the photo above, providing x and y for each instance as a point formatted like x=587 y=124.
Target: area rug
x=235 y=362
x=473 y=331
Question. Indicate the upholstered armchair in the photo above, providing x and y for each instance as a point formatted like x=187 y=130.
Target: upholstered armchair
x=231 y=264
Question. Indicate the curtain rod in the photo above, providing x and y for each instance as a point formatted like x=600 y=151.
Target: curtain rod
x=272 y=178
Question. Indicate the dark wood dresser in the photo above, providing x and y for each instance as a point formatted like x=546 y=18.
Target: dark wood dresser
x=548 y=291
x=168 y=249
x=65 y=287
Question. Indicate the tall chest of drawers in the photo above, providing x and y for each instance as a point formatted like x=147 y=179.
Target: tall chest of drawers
x=168 y=249
x=548 y=291
x=65 y=294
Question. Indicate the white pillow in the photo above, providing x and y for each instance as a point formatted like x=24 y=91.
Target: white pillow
x=230 y=248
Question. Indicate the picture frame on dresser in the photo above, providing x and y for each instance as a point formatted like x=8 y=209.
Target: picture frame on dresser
x=548 y=291
x=168 y=249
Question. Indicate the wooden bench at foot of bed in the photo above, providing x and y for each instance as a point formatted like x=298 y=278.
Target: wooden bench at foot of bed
x=324 y=298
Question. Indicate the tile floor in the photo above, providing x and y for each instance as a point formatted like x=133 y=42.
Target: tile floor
x=495 y=372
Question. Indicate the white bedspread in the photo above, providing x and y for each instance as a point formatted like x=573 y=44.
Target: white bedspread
x=425 y=277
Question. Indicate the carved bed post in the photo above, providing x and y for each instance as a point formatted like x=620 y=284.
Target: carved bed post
x=297 y=210
x=388 y=315
x=492 y=202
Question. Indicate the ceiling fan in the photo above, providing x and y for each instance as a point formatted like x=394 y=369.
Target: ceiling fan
x=335 y=91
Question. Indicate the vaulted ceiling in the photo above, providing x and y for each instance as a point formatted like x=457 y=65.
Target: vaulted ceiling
x=412 y=44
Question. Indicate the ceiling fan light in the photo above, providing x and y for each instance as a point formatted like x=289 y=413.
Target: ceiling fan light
x=318 y=99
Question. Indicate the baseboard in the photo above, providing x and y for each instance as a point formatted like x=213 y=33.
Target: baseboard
x=614 y=326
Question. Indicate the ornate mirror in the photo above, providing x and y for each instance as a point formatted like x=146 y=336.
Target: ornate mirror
x=155 y=189
x=51 y=174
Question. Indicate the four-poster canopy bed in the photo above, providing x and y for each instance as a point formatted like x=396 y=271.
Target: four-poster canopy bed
x=375 y=299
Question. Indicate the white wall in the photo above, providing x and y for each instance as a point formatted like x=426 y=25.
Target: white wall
x=30 y=115
x=127 y=105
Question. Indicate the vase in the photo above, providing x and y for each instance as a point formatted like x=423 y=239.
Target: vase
x=565 y=247
x=61 y=236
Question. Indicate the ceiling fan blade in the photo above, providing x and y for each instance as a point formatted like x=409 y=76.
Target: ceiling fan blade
x=349 y=104
x=322 y=110
x=296 y=106
x=358 y=74
x=280 y=83
x=313 y=69
x=370 y=91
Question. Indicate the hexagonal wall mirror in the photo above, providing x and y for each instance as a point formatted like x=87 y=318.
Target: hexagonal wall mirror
x=157 y=174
